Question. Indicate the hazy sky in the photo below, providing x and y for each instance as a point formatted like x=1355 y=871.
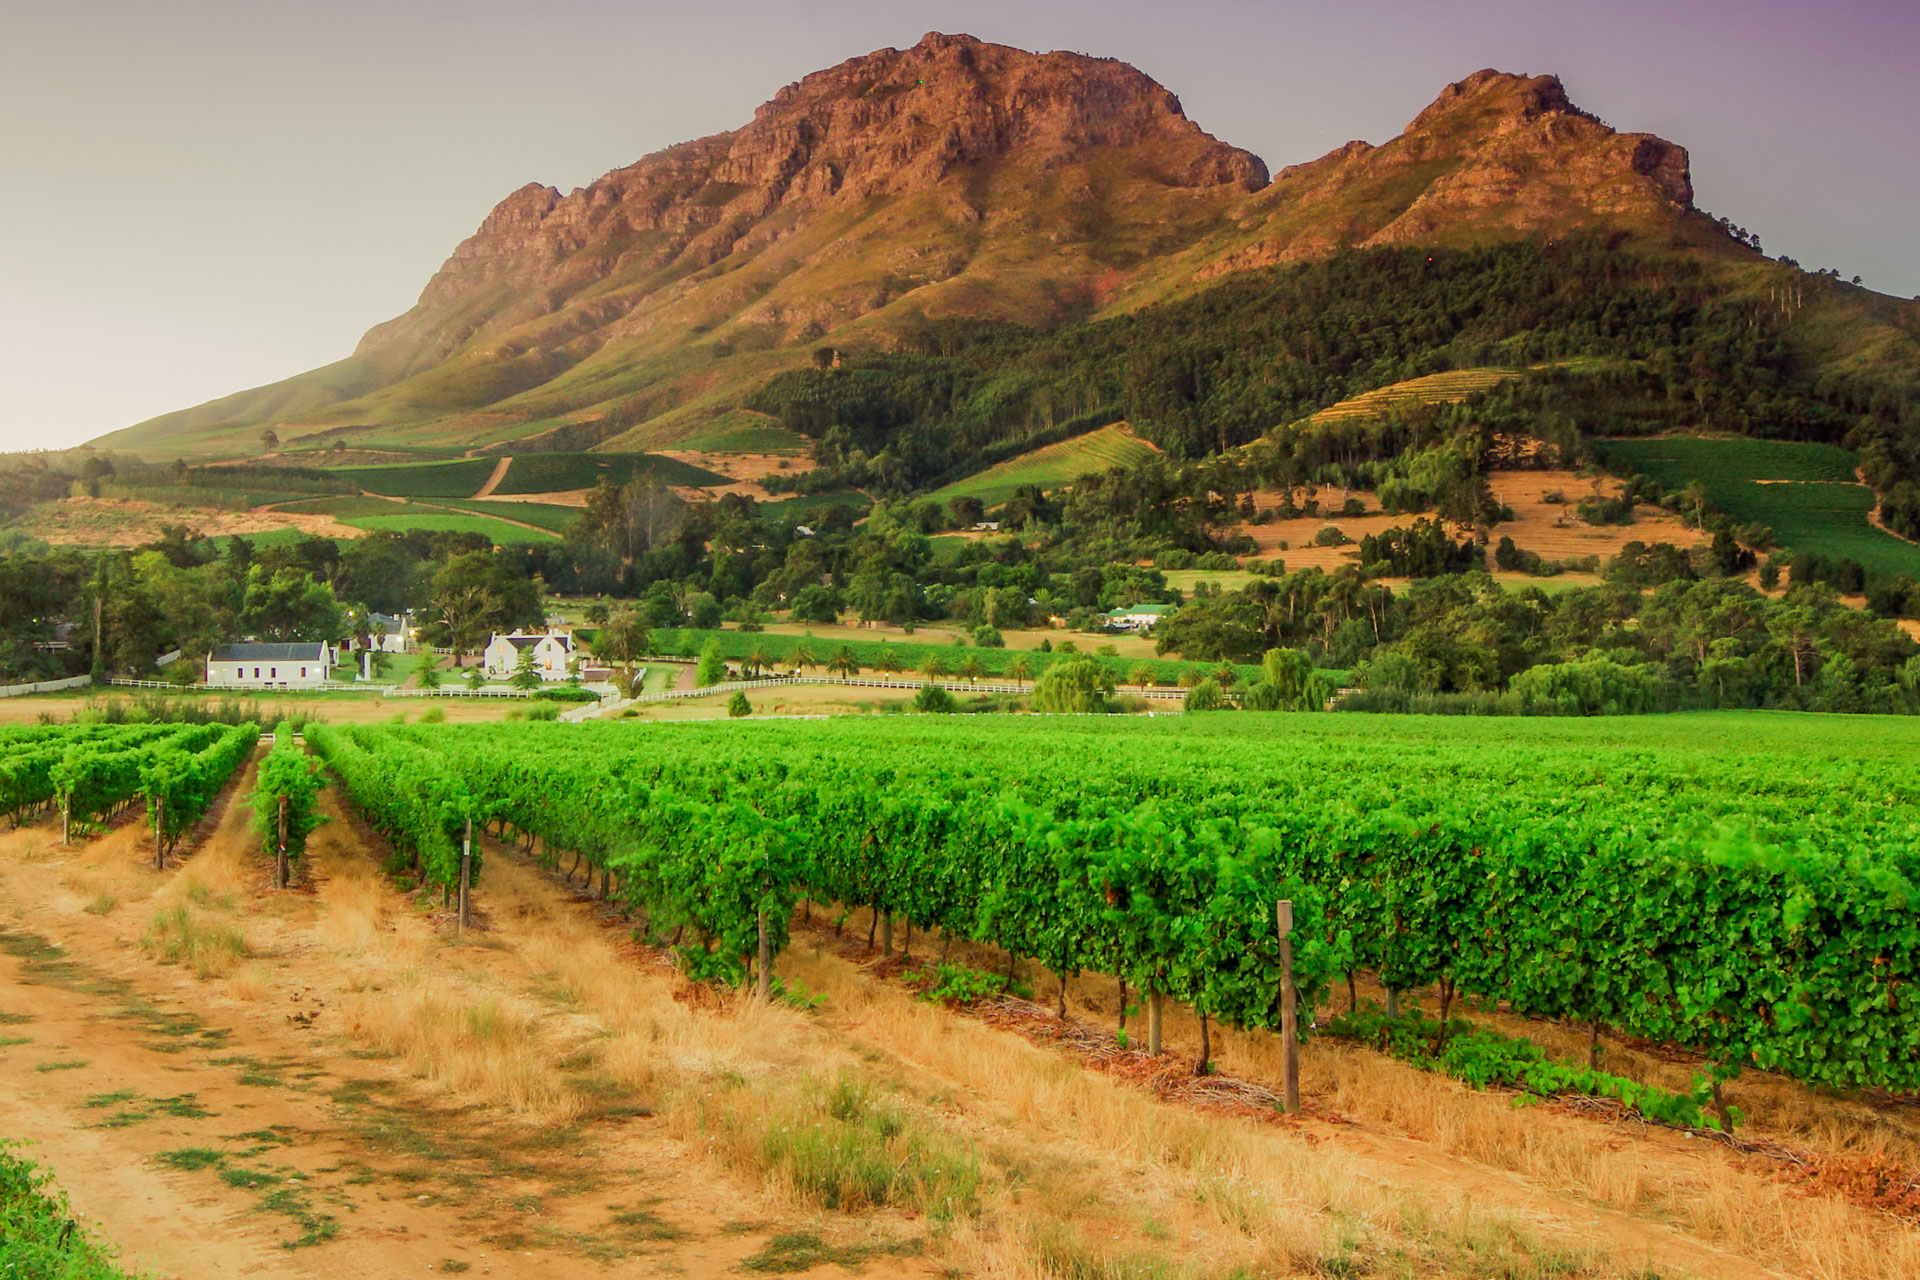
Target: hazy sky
x=203 y=195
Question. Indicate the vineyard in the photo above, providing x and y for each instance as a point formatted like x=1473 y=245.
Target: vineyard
x=93 y=773
x=1682 y=895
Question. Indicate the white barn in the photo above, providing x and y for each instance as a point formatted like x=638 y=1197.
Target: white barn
x=270 y=666
x=551 y=653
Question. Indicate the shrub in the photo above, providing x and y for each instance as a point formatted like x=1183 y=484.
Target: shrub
x=738 y=705
x=933 y=699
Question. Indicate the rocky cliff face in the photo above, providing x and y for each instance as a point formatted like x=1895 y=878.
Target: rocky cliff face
x=952 y=178
x=1494 y=153
x=889 y=125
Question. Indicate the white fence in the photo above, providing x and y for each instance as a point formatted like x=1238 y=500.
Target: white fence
x=43 y=686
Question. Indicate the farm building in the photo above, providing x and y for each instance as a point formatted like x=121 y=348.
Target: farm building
x=270 y=666
x=1135 y=617
x=388 y=632
x=551 y=653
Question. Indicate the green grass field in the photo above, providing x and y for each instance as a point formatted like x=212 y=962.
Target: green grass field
x=1814 y=503
x=343 y=508
x=459 y=479
x=502 y=533
x=1436 y=388
x=554 y=472
x=741 y=431
x=687 y=643
x=1053 y=466
x=545 y=514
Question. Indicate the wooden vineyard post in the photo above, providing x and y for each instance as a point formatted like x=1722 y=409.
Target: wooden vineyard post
x=1289 y=1014
x=1153 y=1022
x=466 y=877
x=280 y=852
x=159 y=825
x=763 y=956
x=66 y=817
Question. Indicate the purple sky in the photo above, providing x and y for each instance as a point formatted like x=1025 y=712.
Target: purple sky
x=205 y=195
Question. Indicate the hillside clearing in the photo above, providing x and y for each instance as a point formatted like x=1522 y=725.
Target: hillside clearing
x=1053 y=465
x=1808 y=494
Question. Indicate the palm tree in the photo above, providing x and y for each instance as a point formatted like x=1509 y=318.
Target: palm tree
x=758 y=660
x=1019 y=670
x=843 y=663
x=804 y=656
x=1141 y=675
x=889 y=663
x=972 y=669
x=934 y=667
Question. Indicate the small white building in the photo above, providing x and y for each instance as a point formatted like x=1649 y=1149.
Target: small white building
x=270 y=666
x=388 y=632
x=1137 y=617
x=551 y=652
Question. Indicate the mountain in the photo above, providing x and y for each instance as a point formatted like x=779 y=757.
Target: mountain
x=953 y=180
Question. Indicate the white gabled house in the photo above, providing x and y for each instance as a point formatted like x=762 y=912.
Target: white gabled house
x=270 y=666
x=551 y=653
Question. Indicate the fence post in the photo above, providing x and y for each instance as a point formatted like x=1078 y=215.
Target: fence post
x=466 y=880
x=66 y=817
x=1289 y=1015
x=159 y=825
x=280 y=856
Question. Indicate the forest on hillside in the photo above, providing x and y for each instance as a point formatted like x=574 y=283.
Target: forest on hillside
x=1677 y=349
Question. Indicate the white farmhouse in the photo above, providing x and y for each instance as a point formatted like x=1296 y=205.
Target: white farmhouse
x=551 y=653
x=388 y=632
x=270 y=666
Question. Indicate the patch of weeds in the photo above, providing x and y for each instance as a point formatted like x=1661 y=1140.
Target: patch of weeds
x=272 y=1137
x=644 y=1224
x=112 y=1099
x=8 y=1042
x=184 y=1106
x=14 y=1019
x=373 y=1054
x=794 y=1251
x=192 y=1159
x=73 y=1065
x=291 y=1202
x=246 y=1179
x=260 y=1079
x=743 y=1227
x=453 y=1266
x=101 y=904
x=179 y=935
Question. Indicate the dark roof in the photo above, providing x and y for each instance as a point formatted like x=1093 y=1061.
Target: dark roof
x=310 y=652
x=521 y=642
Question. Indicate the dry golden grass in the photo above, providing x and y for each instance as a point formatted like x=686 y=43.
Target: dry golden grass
x=482 y=1047
x=249 y=984
x=200 y=940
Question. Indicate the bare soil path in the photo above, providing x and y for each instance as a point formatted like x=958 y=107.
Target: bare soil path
x=493 y=481
x=244 y=1127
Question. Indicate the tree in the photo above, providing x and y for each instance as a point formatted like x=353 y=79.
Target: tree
x=933 y=667
x=1075 y=685
x=476 y=677
x=966 y=511
x=712 y=669
x=289 y=605
x=625 y=636
x=476 y=594
x=1205 y=696
x=1020 y=670
x=738 y=705
x=889 y=663
x=843 y=664
x=1141 y=675
x=972 y=669
x=525 y=674
x=759 y=661
x=804 y=656
x=428 y=672
x=934 y=699
x=269 y=439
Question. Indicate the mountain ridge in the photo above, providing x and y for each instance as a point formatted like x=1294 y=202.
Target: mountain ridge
x=953 y=179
